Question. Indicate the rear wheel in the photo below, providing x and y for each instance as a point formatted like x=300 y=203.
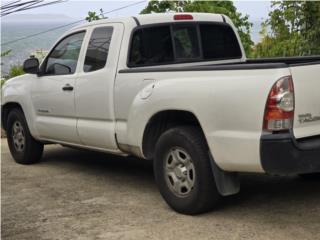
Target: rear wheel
x=23 y=147
x=183 y=171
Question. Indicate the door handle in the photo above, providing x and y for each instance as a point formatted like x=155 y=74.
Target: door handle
x=67 y=87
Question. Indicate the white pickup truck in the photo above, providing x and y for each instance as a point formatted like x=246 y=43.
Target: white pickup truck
x=174 y=88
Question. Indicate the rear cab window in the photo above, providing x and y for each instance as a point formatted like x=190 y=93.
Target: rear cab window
x=186 y=42
x=151 y=46
x=182 y=43
x=219 y=42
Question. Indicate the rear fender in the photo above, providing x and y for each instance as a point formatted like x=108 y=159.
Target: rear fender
x=229 y=106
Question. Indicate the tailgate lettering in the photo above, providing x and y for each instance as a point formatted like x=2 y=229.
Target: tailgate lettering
x=305 y=118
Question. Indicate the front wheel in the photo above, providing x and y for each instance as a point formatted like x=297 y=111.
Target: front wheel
x=183 y=171
x=23 y=147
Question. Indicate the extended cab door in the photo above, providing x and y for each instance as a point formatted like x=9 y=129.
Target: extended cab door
x=53 y=91
x=95 y=86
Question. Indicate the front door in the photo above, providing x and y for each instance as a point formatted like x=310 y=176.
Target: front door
x=53 y=91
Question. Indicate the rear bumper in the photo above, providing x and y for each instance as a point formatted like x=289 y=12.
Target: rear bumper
x=281 y=154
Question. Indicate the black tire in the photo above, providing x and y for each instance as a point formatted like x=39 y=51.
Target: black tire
x=310 y=176
x=29 y=151
x=204 y=195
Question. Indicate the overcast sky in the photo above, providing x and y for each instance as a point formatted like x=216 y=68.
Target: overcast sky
x=78 y=9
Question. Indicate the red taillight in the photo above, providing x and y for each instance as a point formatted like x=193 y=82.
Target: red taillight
x=279 y=110
x=183 y=17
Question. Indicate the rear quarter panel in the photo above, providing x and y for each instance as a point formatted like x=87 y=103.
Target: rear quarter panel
x=228 y=104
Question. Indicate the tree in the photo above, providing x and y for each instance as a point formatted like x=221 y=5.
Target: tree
x=220 y=7
x=92 y=16
x=293 y=31
x=310 y=26
x=155 y=6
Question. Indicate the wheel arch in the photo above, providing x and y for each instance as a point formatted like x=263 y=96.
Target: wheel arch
x=5 y=110
x=227 y=182
x=162 y=121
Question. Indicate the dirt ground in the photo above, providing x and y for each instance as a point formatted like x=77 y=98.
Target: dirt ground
x=75 y=194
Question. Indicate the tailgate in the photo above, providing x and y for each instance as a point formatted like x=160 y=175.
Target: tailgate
x=306 y=80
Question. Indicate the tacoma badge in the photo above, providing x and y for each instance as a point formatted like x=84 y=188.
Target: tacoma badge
x=305 y=118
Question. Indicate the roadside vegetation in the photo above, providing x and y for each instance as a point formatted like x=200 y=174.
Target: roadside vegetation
x=14 y=70
x=294 y=30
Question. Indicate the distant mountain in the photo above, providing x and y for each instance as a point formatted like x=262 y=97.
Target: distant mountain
x=36 y=18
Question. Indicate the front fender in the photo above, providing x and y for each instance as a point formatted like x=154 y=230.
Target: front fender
x=17 y=91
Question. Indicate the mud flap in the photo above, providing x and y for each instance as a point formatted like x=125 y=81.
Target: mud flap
x=228 y=183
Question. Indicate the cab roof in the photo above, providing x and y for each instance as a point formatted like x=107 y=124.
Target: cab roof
x=155 y=18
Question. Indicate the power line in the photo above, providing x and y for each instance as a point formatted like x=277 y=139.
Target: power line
x=120 y=8
x=18 y=6
x=69 y=24
x=9 y=4
x=31 y=6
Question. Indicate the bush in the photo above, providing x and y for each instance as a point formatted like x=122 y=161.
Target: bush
x=16 y=70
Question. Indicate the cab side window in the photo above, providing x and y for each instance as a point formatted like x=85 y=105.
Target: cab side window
x=98 y=49
x=63 y=58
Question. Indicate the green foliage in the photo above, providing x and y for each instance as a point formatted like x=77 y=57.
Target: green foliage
x=6 y=53
x=92 y=16
x=2 y=82
x=294 y=30
x=15 y=70
x=311 y=27
x=220 y=7
x=155 y=6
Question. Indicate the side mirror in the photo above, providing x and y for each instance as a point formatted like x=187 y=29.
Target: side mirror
x=31 y=65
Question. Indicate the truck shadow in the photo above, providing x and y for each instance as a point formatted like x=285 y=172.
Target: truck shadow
x=96 y=163
x=257 y=190
x=286 y=192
